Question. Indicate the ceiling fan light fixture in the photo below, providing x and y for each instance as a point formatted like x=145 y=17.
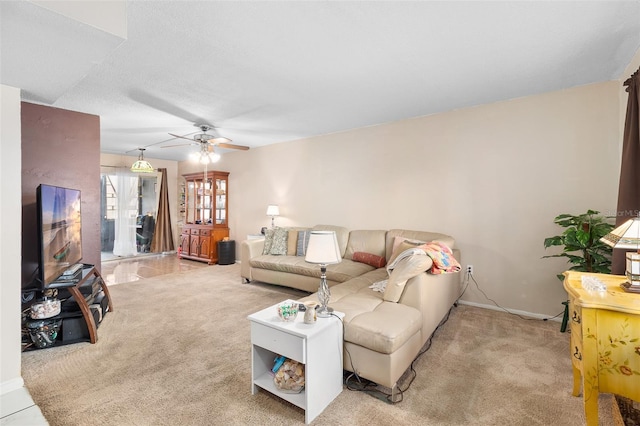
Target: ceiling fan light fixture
x=206 y=155
x=142 y=165
x=204 y=159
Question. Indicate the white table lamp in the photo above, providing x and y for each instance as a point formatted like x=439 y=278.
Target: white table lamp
x=627 y=236
x=323 y=249
x=273 y=211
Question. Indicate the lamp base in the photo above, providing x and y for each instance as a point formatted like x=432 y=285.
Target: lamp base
x=324 y=312
x=630 y=288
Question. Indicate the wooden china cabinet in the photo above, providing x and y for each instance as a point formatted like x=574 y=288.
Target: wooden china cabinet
x=206 y=215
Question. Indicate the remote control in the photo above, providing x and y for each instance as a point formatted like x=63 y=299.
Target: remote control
x=73 y=269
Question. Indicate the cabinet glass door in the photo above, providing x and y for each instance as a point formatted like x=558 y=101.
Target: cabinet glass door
x=191 y=201
x=205 y=212
x=221 y=201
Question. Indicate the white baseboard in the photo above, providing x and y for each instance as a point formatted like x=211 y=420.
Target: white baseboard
x=17 y=408
x=11 y=385
x=513 y=311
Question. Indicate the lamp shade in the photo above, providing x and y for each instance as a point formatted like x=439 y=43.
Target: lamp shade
x=142 y=165
x=273 y=210
x=323 y=248
x=625 y=236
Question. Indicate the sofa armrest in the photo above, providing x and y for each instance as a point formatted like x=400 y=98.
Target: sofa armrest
x=432 y=295
x=248 y=250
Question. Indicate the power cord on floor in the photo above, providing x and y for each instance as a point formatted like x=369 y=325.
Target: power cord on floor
x=470 y=276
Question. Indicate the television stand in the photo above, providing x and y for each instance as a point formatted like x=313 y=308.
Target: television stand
x=79 y=319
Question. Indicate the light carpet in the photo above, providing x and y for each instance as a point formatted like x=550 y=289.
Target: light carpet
x=176 y=351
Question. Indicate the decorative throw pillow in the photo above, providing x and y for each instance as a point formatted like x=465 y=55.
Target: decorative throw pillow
x=292 y=242
x=369 y=258
x=303 y=242
x=406 y=269
x=401 y=244
x=268 y=240
x=279 y=244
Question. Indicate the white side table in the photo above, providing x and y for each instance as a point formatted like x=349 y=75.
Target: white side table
x=318 y=346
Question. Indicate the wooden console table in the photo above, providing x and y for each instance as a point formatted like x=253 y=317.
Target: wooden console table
x=605 y=340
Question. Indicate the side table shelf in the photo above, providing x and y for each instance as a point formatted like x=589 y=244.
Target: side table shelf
x=76 y=309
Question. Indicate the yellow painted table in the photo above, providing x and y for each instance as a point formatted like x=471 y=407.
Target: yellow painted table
x=605 y=340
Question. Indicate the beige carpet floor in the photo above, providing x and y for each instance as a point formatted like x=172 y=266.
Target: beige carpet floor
x=176 y=351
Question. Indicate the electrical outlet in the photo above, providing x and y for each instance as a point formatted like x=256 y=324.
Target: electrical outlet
x=470 y=269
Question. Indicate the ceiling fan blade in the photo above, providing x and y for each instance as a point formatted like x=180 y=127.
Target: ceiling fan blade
x=181 y=137
x=232 y=146
x=218 y=140
x=182 y=144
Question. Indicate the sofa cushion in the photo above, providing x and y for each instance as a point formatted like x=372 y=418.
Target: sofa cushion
x=279 y=243
x=339 y=272
x=385 y=328
x=419 y=236
x=369 y=258
x=400 y=245
x=397 y=240
x=368 y=241
x=370 y=321
x=405 y=269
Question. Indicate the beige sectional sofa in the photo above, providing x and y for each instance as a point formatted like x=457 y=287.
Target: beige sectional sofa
x=382 y=336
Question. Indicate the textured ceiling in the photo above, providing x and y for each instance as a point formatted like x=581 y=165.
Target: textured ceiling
x=268 y=72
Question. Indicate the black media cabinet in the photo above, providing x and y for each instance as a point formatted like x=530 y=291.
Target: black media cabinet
x=84 y=303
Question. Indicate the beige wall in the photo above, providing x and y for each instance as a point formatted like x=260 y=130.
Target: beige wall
x=493 y=176
x=108 y=161
x=10 y=224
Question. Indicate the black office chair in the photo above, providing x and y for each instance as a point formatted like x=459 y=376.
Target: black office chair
x=145 y=236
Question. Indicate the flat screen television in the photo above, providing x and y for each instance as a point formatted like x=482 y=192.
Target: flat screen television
x=59 y=231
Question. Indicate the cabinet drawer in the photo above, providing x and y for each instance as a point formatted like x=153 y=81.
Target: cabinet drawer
x=278 y=342
x=195 y=232
x=205 y=232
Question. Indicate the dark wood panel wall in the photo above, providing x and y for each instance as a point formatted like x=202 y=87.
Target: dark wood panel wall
x=61 y=148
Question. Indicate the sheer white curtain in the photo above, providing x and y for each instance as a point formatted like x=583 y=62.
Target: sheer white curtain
x=124 y=243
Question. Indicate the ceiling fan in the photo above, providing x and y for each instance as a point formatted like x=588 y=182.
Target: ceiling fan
x=207 y=143
x=205 y=139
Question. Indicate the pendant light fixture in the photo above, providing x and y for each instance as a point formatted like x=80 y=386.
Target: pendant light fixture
x=142 y=165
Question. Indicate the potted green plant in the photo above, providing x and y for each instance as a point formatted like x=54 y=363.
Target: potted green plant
x=581 y=243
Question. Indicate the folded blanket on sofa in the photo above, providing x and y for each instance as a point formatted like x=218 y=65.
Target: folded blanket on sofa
x=380 y=286
x=441 y=254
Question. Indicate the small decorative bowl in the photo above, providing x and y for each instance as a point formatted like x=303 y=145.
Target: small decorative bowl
x=45 y=308
x=288 y=311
